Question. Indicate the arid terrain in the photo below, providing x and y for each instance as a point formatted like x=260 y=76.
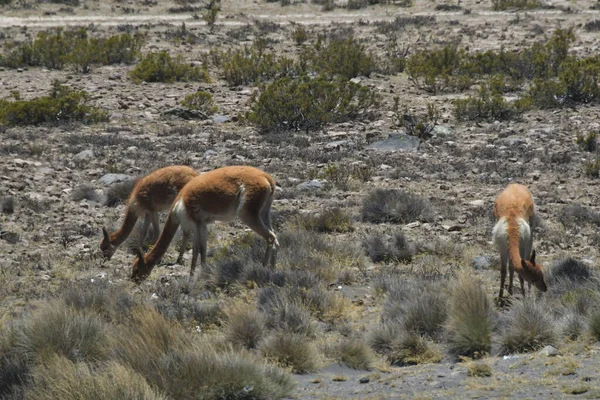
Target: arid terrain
x=60 y=183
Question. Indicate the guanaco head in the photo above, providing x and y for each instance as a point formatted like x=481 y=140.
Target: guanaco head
x=140 y=269
x=107 y=248
x=533 y=273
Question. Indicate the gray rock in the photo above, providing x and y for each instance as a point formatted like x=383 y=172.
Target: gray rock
x=221 y=118
x=210 y=153
x=510 y=141
x=481 y=262
x=336 y=144
x=310 y=185
x=549 y=351
x=109 y=179
x=10 y=237
x=394 y=142
x=185 y=113
x=442 y=132
x=364 y=379
x=84 y=155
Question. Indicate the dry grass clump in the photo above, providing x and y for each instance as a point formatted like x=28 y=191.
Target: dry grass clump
x=418 y=306
x=383 y=248
x=108 y=300
x=575 y=214
x=59 y=329
x=594 y=325
x=400 y=347
x=529 y=326
x=479 y=369
x=60 y=378
x=245 y=327
x=291 y=350
x=330 y=220
x=470 y=319
x=291 y=317
x=86 y=192
x=354 y=353
x=119 y=192
x=395 y=206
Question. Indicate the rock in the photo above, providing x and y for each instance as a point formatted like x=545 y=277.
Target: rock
x=549 y=351
x=310 y=185
x=219 y=119
x=442 y=132
x=481 y=262
x=210 y=153
x=336 y=144
x=396 y=142
x=184 y=113
x=10 y=237
x=413 y=224
x=84 y=155
x=510 y=141
x=364 y=380
x=476 y=203
x=109 y=179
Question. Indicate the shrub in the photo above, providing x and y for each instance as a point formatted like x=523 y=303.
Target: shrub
x=380 y=248
x=489 y=104
x=594 y=325
x=479 y=369
x=402 y=348
x=245 y=327
x=339 y=57
x=529 y=326
x=355 y=354
x=421 y=126
x=161 y=67
x=569 y=269
x=470 y=319
x=86 y=192
x=587 y=142
x=201 y=101
x=62 y=105
x=58 y=329
x=331 y=220
x=592 y=26
x=63 y=379
x=253 y=64
x=401 y=22
x=74 y=47
x=308 y=104
x=396 y=206
x=592 y=168
x=119 y=192
x=300 y=35
x=574 y=215
x=500 y=5
x=291 y=350
x=438 y=70
x=291 y=317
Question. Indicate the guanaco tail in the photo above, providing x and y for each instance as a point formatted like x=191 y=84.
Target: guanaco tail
x=513 y=236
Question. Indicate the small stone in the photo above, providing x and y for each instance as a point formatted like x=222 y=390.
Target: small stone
x=481 y=262
x=310 y=185
x=364 y=380
x=109 y=179
x=549 y=351
x=84 y=155
x=413 y=224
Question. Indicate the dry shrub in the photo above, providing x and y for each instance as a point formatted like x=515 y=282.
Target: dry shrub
x=65 y=380
x=291 y=350
x=479 y=369
x=355 y=354
x=245 y=327
x=529 y=326
x=330 y=220
x=290 y=317
x=119 y=192
x=381 y=248
x=59 y=329
x=402 y=348
x=470 y=319
x=594 y=325
x=395 y=206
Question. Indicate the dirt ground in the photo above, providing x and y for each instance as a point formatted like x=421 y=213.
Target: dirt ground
x=460 y=173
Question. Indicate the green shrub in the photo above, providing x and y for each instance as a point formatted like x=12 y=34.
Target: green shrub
x=438 y=70
x=300 y=35
x=339 y=57
x=212 y=10
x=62 y=105
x=489 y=104
x=581 y=79
x=592 y=168
x=308 y=104
x=161 y=67
x=421 y=126
x=201 y=101
x=500 y=5
x=470 y=320
x=74 y=47
x=587 y=142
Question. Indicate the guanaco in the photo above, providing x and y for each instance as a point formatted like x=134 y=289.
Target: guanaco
x=223 y=194
x=513 y=236
x=153 y=193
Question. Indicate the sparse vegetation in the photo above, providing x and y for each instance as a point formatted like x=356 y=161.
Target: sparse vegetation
x=330 y=220
x=500 y=5
x=345 y=58
x=62 y=105
x=201 y=101
x=396 y=206
x=161 y=67
x=388 y=249
x=291 y=350
x=529 y=326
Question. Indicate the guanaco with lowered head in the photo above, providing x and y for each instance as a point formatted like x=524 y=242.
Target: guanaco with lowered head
x=512 y=234
x=222 y=194
x=153 y=193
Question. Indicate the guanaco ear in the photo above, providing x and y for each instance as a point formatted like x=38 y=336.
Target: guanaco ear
x=524 y=265
x=532 y=257
x=140 y=255
x=106 y=235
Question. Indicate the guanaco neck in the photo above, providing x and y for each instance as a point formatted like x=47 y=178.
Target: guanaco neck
x=162 y=244
x=119 y=236
x=514 y=236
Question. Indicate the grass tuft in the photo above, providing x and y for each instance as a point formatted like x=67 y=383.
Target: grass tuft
x=293 y=351
x=395 y=206
x=529 y=327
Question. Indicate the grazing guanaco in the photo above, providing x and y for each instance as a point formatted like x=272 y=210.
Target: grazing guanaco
x=153 y=193
x=219 y=195
x=512 y=234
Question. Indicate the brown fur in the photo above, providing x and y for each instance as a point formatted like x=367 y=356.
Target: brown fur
x=153 y=193
x=515 y=203
x=222 y=194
